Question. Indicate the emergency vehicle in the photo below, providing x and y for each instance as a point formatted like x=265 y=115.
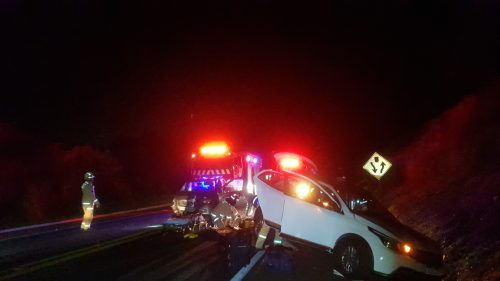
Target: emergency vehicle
x=363 y=237
x=217 y=173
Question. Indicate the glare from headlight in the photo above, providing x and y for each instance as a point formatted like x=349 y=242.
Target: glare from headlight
x=302 y=190
x=406 y=248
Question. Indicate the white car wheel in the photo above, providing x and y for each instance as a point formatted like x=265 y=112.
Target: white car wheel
x=350 y=259
x=354 y=259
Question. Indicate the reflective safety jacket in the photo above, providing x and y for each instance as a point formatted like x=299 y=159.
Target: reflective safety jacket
x=88 y=194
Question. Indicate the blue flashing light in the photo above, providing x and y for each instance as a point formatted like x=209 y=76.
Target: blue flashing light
x=204 y=186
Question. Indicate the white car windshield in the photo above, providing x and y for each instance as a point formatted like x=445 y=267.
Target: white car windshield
x=362 y=203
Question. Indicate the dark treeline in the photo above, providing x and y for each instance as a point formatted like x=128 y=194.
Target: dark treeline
x=40 y=181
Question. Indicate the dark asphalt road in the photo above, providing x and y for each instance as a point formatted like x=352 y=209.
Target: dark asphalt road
x=159 y=256
x=130 y=247
x=126 y=247
x=28 y=246
x=307 y=264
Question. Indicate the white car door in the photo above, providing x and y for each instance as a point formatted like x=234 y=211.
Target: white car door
x=310 y=214
x=269 y=186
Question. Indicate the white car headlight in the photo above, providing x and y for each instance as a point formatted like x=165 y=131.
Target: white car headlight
x=392 y=243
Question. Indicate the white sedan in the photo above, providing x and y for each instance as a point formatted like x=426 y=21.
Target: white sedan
x=363 y=236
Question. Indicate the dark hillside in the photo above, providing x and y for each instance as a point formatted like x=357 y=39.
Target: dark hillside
x=449 y=185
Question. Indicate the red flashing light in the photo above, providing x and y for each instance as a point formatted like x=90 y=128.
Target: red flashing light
x=193 y=155
x=290 y=163
x=293 y=161
x=215 y=149
x=248 y=158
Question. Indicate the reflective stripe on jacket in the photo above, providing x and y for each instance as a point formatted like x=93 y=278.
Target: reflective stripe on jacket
x=88 y=194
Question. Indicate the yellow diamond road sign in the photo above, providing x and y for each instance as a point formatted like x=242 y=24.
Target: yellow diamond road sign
x=377 y=165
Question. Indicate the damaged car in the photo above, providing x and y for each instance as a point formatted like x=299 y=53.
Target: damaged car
x=364 y=238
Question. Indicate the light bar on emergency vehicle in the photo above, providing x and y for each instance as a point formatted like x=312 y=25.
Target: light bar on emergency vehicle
x=290 y=163
x=295 y=162
x=252 y=159
x=215 y=149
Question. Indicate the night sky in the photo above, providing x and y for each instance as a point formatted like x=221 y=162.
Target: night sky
x=335 y=81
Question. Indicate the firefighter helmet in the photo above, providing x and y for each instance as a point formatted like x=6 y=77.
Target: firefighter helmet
x=88 y=176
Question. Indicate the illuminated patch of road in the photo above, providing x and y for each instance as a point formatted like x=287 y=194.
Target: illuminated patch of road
x=70 y=223
x=47 y=262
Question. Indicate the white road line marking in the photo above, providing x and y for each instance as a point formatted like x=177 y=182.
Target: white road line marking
x=244 y=270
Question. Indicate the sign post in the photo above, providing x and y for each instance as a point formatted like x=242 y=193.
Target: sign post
x=377 y=166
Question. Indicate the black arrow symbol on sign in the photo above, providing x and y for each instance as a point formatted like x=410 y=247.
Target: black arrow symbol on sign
x=373 y=166
x=382 y=169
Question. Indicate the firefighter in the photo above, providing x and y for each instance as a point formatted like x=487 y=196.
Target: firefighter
x=225 y=214
x=88 y=200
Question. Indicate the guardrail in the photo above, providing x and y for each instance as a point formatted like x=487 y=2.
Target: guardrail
x=79 y=219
